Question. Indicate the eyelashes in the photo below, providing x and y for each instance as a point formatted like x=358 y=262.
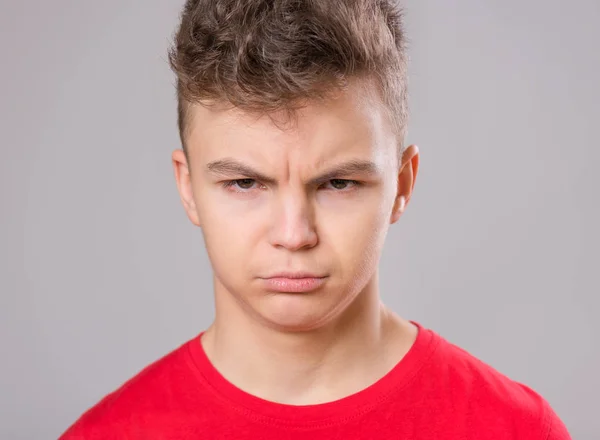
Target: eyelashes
x=240 y=183
x=247 y=185
x=346 y=183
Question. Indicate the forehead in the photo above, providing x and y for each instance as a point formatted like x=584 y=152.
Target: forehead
x=349 y=121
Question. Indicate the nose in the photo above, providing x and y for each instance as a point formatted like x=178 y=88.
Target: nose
x=293 y=226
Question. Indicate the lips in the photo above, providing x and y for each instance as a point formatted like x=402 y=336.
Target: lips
x=294 y=275
x=293 y=282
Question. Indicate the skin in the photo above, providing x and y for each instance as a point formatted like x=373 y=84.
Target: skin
x=299 y=214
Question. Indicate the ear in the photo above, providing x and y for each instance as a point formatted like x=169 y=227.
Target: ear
x=184 y=185
x=407 y=174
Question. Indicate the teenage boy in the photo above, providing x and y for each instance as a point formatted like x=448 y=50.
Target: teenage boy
x=292 y=116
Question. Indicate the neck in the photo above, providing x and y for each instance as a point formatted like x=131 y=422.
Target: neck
x=321 y=365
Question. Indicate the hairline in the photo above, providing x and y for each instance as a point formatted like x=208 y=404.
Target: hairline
x=185 y=110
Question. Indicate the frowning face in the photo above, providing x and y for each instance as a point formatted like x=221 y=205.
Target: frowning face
x=294 y=219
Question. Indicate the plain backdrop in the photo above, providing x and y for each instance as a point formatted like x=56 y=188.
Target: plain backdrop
x=101 y=272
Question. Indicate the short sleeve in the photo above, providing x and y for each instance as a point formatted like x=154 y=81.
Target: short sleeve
x=556 y=428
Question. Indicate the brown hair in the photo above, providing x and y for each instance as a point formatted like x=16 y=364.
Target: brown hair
x=263 y=56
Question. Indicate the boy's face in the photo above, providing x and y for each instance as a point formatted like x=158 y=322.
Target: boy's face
x=290 y=210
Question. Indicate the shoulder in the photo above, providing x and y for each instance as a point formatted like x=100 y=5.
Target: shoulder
x=478 y=389
x=148 y=395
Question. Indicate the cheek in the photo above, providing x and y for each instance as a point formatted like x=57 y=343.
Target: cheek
x=230 y=238
x=357 y=235
x=229 y=254
x=225 y=216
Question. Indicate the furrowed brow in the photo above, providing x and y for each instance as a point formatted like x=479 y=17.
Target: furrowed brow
x=362 y=167
x=233 y=168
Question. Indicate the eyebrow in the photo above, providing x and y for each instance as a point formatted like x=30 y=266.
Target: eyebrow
x=344 y=169
x=229 y=167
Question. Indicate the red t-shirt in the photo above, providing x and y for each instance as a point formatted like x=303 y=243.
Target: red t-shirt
x=437 y=391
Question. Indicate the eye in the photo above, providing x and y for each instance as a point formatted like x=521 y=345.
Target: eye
x=243 y=184
x=342 y=184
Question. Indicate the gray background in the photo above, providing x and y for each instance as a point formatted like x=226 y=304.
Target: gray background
x=101 y=272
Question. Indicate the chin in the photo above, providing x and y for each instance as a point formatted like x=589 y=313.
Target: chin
x=300 y=312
